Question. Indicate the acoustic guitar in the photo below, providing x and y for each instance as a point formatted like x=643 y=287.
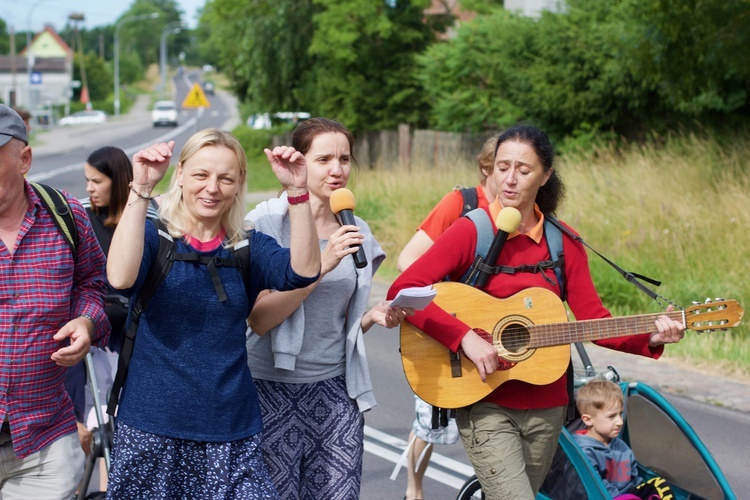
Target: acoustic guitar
x=529 y=329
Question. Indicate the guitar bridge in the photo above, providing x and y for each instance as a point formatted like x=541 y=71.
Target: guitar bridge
x=455 y=360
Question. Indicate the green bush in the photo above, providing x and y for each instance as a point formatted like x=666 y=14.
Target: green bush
x=260 y=177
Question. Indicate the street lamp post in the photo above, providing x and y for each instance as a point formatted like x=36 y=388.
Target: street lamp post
x=168 y=29
x=29 y=55
x=76 y=18
x=119 y=24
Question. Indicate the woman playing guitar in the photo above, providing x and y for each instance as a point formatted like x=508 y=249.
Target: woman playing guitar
x=511 y=434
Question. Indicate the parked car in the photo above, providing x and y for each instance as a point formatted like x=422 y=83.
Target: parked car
x=164 y=113
x=208 y=87
x=263 y=121
x=84 y=117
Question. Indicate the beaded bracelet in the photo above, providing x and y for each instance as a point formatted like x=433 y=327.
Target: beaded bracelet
x=296 y=200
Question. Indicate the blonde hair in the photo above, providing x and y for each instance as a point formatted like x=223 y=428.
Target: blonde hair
x=486 y=158
x=171 y=209
x=597 y=395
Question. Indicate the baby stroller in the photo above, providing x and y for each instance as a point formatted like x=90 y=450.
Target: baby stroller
x=98 y=369
x=650 y=421
x=101 y=366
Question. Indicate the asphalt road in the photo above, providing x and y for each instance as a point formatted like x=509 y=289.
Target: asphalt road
x=58 y=160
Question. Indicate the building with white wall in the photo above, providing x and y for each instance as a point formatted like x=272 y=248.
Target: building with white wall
x=46 y=81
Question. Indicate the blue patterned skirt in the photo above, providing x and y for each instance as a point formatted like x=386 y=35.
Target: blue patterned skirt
x=145 y=465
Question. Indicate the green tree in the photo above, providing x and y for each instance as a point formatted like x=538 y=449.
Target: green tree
x=143 y=36
x=98 y=76
x=626 y=66
x=350 y=60
x=476 y=79
x=4 y=38
x=263 y=48
x=364 y=61
x=131 y=67
x=693 y=54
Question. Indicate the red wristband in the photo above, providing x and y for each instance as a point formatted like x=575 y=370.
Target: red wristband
x=295 y=200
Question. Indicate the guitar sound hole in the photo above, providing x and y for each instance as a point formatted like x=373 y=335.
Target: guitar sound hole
x=515 y=338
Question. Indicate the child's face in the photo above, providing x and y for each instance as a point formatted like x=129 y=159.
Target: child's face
x=605 y=424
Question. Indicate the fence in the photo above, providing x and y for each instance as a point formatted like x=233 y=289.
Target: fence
x=406 y=149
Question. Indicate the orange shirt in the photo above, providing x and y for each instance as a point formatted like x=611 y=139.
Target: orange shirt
x=447 y=211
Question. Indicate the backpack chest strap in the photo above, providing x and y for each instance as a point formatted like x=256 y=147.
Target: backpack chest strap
x=211 y=264
x=539 y=267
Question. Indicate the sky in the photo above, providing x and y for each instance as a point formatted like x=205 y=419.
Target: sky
x=18 y=13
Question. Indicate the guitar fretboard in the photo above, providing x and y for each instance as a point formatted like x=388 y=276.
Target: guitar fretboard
x=554 y=334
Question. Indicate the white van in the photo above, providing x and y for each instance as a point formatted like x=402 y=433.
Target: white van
x=264 y=121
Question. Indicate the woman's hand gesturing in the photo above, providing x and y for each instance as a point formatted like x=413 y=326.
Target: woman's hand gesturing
x=289 y=166
x=150 y=165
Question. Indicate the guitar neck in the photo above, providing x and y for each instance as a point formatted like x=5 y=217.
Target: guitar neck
x=554 y=334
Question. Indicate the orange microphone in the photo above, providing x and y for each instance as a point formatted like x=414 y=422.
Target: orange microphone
x=507 y=222
x=342 y=204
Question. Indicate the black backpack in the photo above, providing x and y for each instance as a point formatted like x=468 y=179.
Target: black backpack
x=156 y=274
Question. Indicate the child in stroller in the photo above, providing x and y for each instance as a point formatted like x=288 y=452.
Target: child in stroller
x=600 y=404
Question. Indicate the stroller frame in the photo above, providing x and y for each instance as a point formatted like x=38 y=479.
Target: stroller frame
x=101 y=441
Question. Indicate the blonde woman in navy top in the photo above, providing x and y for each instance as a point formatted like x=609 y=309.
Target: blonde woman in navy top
x=188 y=423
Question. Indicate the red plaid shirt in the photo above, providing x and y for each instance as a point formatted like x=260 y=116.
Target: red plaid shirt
x=42 y=288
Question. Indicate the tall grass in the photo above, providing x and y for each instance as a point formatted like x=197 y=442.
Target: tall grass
x=676 y=212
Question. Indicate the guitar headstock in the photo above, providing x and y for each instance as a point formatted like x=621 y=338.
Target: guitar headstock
x=719 y=314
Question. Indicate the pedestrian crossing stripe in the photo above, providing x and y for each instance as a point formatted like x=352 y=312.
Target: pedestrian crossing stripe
x=196 y=98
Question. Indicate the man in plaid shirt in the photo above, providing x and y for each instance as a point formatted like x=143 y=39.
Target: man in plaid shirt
x=51 y=311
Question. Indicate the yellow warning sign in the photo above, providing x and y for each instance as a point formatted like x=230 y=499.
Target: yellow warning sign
x=196 y=98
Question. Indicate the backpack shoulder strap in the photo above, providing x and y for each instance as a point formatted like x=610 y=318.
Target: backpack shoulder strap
x=57 y=205
x=481 y=220
x=470 y=200
x=485 y=235
x=554 y=238
x=241 y=251
x=159 y=269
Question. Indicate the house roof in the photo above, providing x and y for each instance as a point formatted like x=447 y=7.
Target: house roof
x=58 y=39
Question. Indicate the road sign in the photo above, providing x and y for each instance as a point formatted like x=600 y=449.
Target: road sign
x=196 y=98
x=35 y=78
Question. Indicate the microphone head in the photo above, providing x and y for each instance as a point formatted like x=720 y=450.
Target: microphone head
x=342 y=199
x=508 y=220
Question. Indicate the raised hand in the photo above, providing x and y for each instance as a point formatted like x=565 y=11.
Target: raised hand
x=289 y=165
x=151 y=164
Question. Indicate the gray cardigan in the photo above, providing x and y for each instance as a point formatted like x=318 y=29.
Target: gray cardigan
x=271 y=218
